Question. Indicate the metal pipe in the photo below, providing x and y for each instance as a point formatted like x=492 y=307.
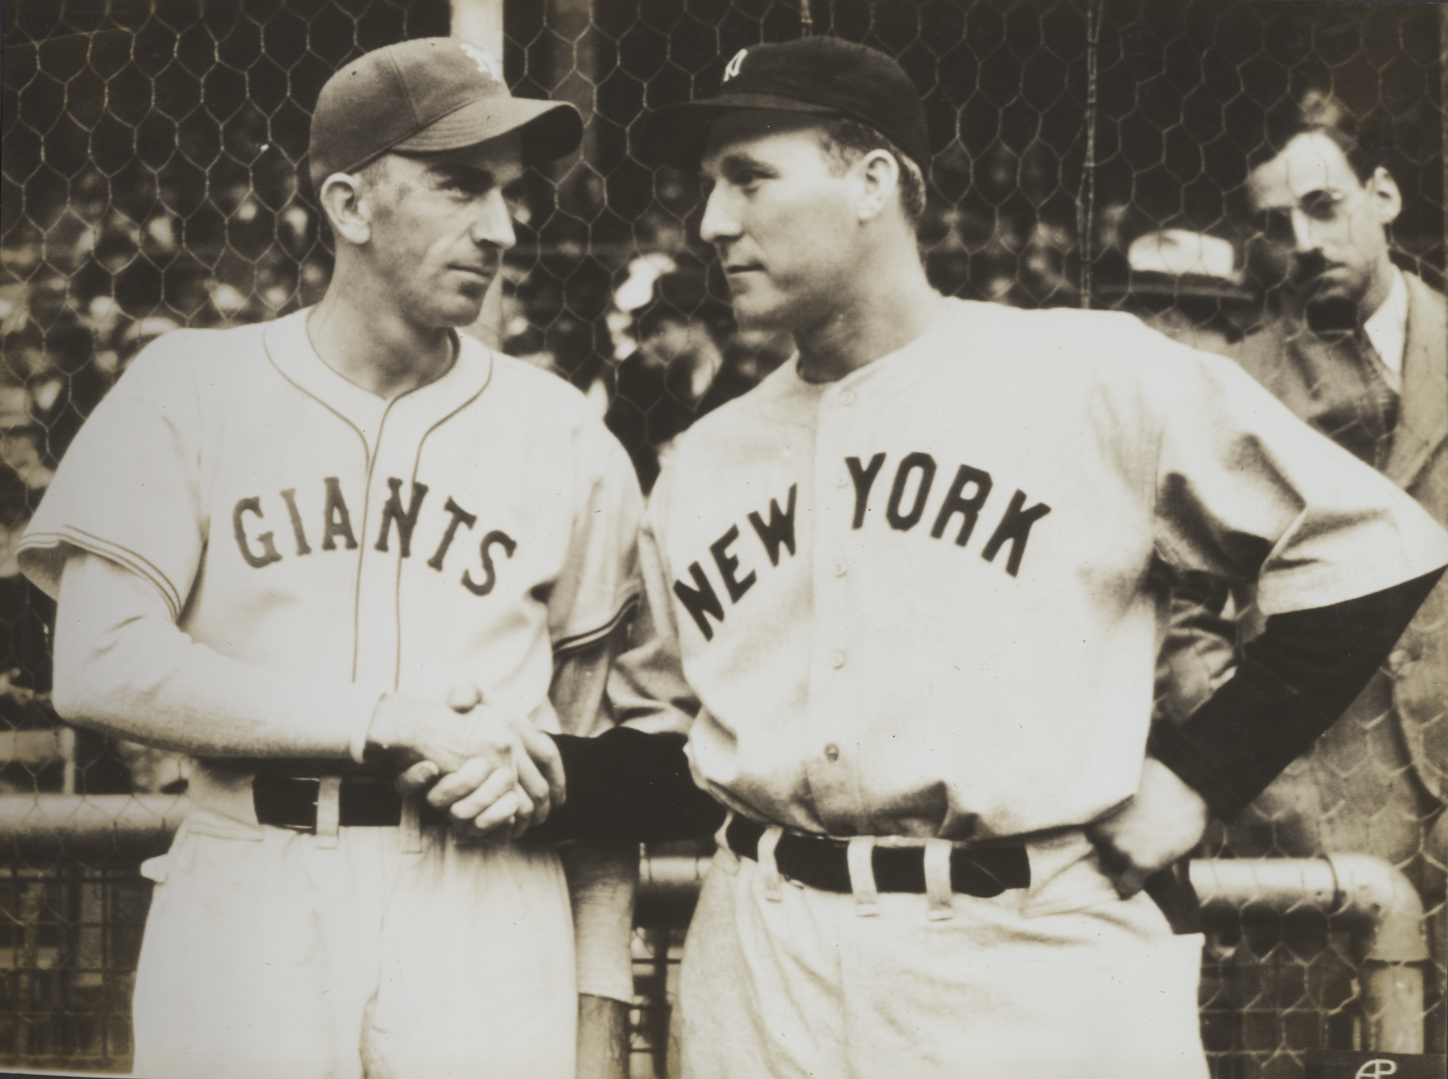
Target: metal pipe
x=1435 y=853
x=134 y=825
x=1374 y=899
x=1362 y=892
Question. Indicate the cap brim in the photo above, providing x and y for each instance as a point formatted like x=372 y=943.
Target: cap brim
x=550 y=129
x=677 y=134
x=1184 y=286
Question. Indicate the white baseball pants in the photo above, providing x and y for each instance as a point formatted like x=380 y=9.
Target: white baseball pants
x=786 y=981
x=269 y=953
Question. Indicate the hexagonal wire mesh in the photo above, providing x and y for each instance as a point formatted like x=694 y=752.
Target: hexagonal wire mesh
x=150 y=181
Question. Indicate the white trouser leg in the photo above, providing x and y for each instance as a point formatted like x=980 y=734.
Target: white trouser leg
x=807 y=986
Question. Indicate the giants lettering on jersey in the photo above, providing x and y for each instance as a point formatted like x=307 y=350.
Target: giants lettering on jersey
x=261 y=551
x=905 y=507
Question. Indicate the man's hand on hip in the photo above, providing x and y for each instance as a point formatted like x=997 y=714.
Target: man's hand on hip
x=1161 y=824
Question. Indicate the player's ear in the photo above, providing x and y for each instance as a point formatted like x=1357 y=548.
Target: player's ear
x=879 y=175
x=1387 y=199
x=343 y=202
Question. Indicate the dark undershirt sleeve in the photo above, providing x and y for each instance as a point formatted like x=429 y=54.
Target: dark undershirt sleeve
x=1292 y=683
x=628 y=785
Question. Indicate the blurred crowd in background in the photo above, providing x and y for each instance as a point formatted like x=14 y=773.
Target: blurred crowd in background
x=644 y=331
x=150 y=182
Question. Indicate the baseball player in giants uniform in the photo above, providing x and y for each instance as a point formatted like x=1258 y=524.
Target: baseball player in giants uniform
x=906 y=598
x=283 y=548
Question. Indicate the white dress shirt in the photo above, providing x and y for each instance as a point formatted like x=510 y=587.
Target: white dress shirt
x=1387 y=329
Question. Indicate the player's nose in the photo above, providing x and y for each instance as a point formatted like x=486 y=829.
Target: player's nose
x=721 y=218
x=493 y=224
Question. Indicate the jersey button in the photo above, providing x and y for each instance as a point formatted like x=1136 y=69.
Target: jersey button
x=840 y=568
x=832 y=752
x=837 y=659
x=847 y=397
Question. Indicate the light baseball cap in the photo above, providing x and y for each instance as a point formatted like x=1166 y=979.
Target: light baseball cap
x=426 y=96
x=822 y=76
x=1180 y=262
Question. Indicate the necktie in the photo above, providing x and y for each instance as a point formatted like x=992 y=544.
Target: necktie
x=1385 y=399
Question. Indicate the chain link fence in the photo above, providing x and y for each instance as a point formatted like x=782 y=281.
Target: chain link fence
x=150 y=181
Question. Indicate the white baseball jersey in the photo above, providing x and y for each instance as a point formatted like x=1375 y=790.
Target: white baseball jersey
x=470 y=530
x=921 y=600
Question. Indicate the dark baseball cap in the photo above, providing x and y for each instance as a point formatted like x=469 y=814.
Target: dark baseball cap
x=821 y=76
x=425 y=96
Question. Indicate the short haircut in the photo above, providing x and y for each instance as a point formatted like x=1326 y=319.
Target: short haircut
x=847 y=141
x=1366 y=141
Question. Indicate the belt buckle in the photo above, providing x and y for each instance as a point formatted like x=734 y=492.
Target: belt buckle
x=280 y=784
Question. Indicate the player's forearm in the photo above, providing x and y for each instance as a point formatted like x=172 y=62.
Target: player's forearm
x=630 y=786
x=123 y=667
x=1292 y=683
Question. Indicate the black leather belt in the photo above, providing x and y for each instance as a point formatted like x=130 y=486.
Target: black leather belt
x=291 y=801
x=821 y=862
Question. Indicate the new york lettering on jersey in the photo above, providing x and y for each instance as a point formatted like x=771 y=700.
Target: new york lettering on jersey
x=909 y=498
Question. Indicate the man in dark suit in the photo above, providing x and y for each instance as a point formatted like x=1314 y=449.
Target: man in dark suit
x=1359 y=350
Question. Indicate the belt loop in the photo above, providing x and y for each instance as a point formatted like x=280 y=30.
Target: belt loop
x=773 y=883
x=860 y=857
x=409 y=826
x=329 y=810
x=938 y=892
x=721 y=841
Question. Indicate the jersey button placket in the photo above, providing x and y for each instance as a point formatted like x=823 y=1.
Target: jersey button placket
x=831 y=721
x=378 y=597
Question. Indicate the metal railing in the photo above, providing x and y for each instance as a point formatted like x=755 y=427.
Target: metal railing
x=1359 y=895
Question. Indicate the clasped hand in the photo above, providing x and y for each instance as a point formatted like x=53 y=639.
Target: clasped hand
x=495 y=774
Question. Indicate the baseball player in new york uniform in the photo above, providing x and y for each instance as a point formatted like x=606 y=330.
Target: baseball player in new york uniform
x=906 y=596
x=285 y=549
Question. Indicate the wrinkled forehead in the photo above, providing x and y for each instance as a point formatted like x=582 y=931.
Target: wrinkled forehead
x=756 y=133
x=1310 y=163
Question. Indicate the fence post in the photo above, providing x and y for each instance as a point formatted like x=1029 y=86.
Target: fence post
x=480 y=24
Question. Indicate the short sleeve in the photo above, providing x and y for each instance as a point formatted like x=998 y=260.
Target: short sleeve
x=1248 y=492
x=599 y=582
x=647 y=688
x=129 y=486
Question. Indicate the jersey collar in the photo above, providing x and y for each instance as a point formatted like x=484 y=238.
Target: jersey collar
x=290 y=351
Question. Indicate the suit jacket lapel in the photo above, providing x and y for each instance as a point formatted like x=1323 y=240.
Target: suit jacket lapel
x=1423 y=422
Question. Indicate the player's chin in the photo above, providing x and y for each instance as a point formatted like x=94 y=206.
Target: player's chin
x=458 y=309
x=754 y=310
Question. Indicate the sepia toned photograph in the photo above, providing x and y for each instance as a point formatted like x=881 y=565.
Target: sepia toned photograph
x=716 y=539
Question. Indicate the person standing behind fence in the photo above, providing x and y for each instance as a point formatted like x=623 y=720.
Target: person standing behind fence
x=1359 y=350
x=905 y=599
x=294 y=550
